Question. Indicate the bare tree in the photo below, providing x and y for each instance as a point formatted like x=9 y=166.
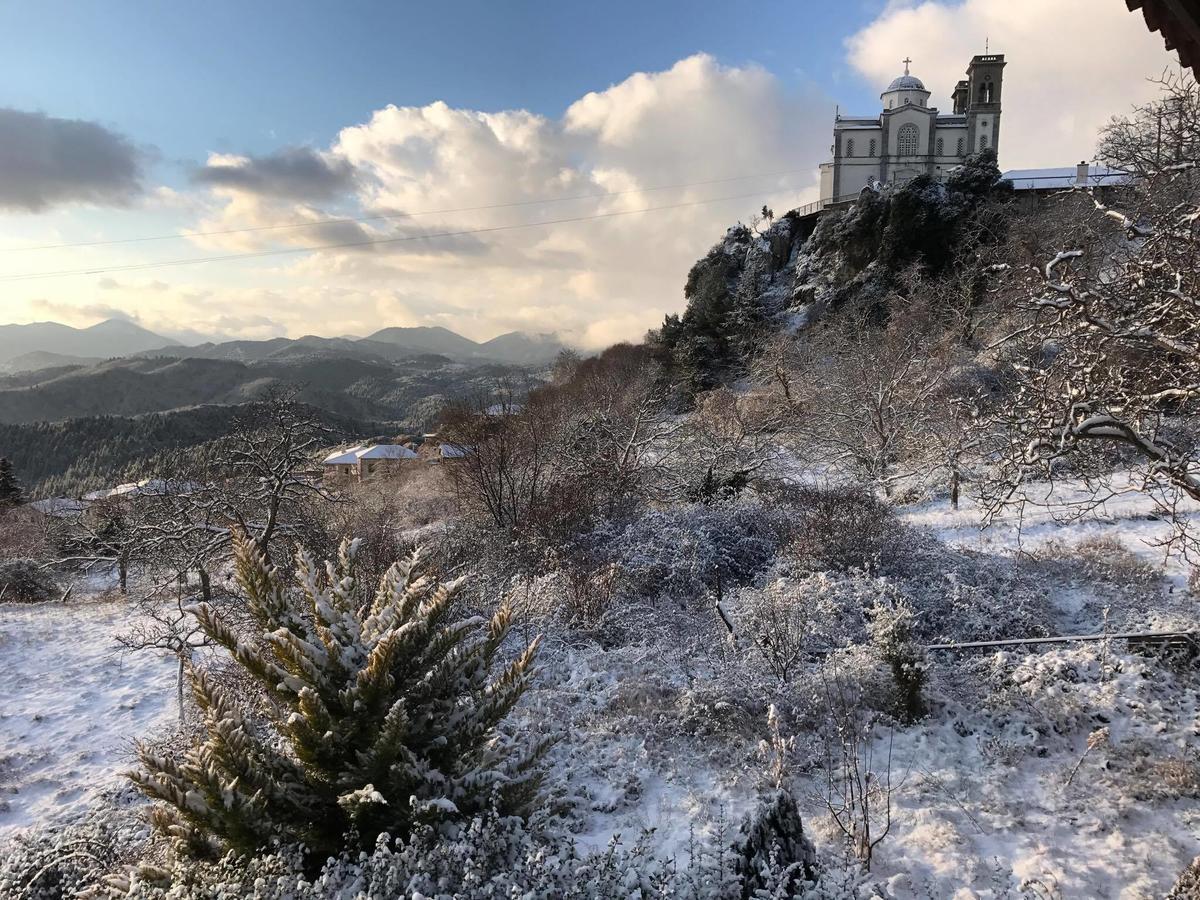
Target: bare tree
x=1159 y=135
x=867 y=396
x=1104 y=368
x=178 y=528
x=858 y=772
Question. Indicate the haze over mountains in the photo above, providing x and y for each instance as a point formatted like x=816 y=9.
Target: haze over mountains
x=43 y=345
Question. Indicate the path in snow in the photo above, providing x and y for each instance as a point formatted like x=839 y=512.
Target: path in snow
x=71 y=703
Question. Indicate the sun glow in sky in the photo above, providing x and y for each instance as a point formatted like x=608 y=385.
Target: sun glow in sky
x=239 y=131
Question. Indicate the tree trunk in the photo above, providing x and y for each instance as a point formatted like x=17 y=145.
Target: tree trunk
x=179 y=688
x=955 y=479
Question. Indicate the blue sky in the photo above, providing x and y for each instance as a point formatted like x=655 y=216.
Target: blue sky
x=132 y=118
x=230 y=76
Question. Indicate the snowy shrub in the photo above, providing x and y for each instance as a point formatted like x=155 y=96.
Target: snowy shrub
x=383 y=715
x=956 y=593
x=891 y=626
x=24 y=581
x=1188 y=885
x=684 y=551
x=66 y=861
x=838 y=527
x=497 y=856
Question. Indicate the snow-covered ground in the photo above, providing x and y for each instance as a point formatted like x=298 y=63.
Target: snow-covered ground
x=71 y=703
x=996 y=787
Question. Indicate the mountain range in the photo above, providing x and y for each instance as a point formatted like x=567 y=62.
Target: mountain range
x=45 y=345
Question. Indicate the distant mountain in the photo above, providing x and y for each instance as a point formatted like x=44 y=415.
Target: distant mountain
x=516 y=348
x=427 y=340
x=411 y=391
x=517 y=345
x=37 y=360
x=47 y=344
x=112 y=337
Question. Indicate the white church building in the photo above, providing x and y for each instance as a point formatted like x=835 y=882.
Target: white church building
x=909 y=137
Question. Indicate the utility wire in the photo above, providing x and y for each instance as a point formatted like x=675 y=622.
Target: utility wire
x=258 y=254
x=389 y=216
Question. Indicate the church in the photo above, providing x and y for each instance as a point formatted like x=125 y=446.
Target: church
x=909 y=137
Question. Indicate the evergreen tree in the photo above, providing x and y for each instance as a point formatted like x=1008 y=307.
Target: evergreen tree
x=10 y=489
x=382 y=715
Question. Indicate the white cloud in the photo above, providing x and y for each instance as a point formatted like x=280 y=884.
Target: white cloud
x=1071 y=65
x=594 y=281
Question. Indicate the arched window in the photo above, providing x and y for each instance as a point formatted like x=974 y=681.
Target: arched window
x=983 y=142
x=906 y=140
x=961 y=146
x=872 y=147
x=850 y=147
x=941 y=147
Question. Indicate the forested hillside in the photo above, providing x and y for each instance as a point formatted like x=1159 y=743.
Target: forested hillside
x=67 y=459
x=409 y=391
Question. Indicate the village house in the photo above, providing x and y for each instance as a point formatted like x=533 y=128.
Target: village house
x=1032 y=186
x=366 y=463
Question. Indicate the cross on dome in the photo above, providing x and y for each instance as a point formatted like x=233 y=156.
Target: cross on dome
x=906 y=61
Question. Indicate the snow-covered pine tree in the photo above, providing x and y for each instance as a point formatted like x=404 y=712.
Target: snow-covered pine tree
x=382 y=714
x=10 y=489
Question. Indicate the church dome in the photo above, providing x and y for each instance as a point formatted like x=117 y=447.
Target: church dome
x=906 y=83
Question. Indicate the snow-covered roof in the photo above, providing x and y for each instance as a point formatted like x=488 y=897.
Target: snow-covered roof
x=452 y=451
x=59 y=506
x=342 y=457
x=386 y=451
x=906 y=83
x=1065 y=177
x=369 y=451
x=147 y=487
x=503 y=409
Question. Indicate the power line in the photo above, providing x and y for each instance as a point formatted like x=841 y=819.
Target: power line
x=312 y=223
x=258 y=254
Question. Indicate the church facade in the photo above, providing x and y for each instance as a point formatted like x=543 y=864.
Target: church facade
x=910 y=137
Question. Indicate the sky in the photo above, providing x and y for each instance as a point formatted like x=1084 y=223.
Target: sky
x=539 y=166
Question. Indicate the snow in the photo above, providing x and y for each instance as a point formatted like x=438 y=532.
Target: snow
x=70 y=705
x=1065 y=178
x=997 y=786
x=386 y=451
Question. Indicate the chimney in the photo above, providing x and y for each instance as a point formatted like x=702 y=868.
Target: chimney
x=1081 y=174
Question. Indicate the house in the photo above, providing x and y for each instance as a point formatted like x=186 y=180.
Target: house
x=59 y=507
x=147 y=487
x=1033 y=185
x=365 y=463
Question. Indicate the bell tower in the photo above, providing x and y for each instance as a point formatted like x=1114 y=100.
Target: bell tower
x=985 y=78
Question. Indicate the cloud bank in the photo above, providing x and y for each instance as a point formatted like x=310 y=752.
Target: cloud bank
x=433 y=169
x=45 y=162
x=408 y=174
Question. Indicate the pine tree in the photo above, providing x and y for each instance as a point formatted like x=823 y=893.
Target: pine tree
x=10 y=489
x=382 y=715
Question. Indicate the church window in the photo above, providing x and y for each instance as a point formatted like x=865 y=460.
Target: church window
x=941 y=147
x=872 y=147
x=960 y=146
x=906 y=140
x=983 y=142
x=850 y=147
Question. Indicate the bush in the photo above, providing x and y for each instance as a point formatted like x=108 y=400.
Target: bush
x=23 y=581
x=891 y=627
x=682 y=552
x=497 y=856
x=838 y=527
x=383 y=716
